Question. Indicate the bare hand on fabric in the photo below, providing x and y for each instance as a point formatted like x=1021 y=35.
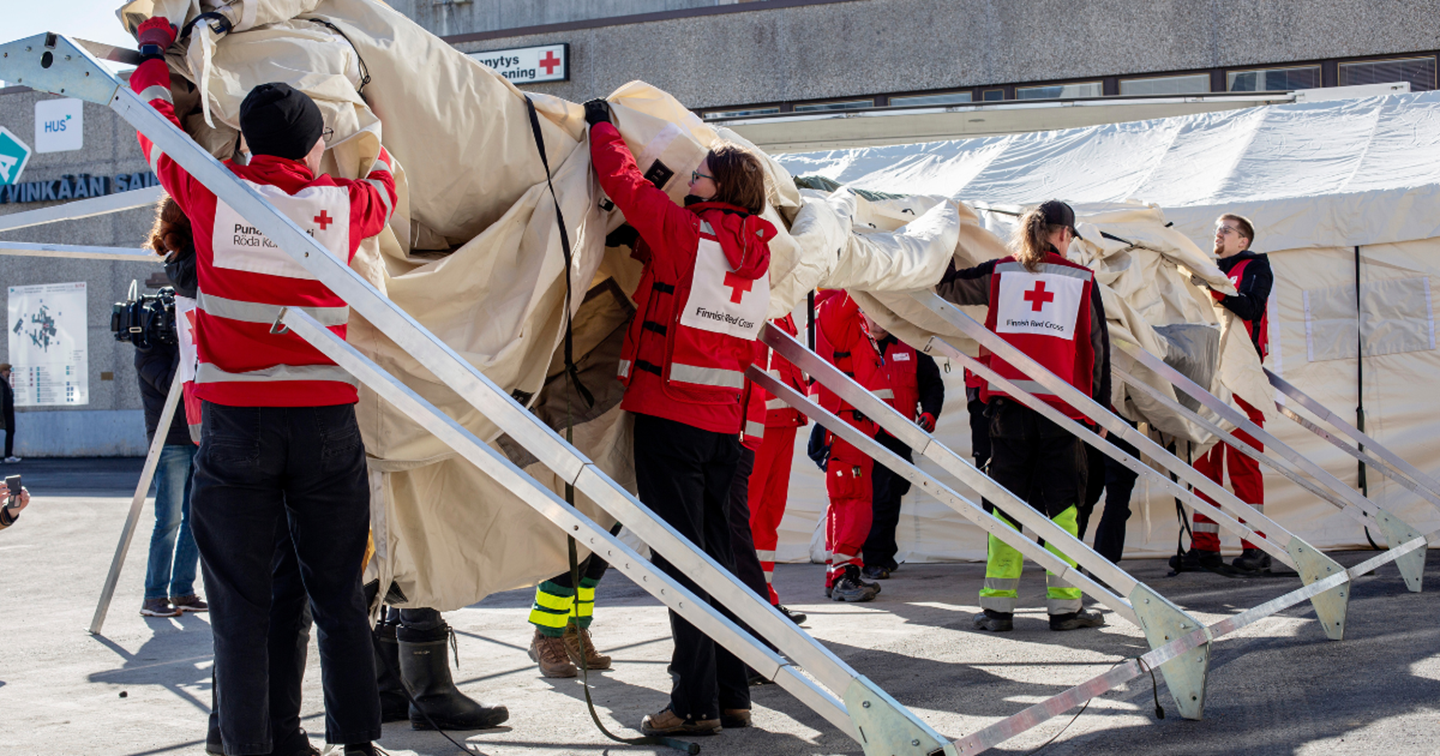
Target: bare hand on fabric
x=597 y=111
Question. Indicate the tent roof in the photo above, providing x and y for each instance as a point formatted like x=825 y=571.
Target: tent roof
x=1320 y=174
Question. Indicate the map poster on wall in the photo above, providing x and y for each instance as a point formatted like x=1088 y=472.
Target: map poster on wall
x=49 y=344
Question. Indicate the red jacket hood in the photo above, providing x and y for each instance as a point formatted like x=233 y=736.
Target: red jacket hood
x=747 y=243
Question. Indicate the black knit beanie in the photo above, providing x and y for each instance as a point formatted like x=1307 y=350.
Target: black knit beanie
x=279 y=120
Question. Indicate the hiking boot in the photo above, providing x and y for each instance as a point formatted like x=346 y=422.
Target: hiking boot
x=734 y=718
x=191 y=603
x=578 y=643
x=875 y=572
x=667 y=722
x=435 y=701
x=158 y=607
x=851 y=588
x=791 y=614
x=1201 y=559
x=1252 y=560
x=995 y=622
x=552 y=656
x=1076 y=620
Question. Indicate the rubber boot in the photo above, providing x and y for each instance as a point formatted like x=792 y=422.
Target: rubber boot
x=394 y=706
x=425 y=669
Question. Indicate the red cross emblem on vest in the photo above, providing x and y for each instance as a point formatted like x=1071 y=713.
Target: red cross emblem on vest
x=739 y=285
x=549 y=62
x=1038 y=297
x=323 y=219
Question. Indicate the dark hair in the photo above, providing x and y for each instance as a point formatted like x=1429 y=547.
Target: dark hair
x=739 y=177
x=1243 y=224
x=171 y=231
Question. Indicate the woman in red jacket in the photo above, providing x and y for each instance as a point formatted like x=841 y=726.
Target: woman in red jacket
x=701 y=301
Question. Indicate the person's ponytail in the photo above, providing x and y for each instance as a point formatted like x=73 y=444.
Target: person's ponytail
x=1030 y=242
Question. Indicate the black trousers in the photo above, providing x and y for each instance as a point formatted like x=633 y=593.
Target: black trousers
x=742 y=540
x=887 y=488
x=258 y=467
x=684 y=475
x=1037 y=460
x=9 y=434
x=288 y=644
x=1117 y=482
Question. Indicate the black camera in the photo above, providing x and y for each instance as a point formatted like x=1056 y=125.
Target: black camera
x=146 y=319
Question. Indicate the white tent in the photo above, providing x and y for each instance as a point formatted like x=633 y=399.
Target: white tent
x=1325 y=183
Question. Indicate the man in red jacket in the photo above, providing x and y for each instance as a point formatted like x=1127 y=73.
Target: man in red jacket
x=279 y=441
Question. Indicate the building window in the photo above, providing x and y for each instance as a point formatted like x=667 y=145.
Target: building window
x=949 y=98
x=1057 y=91
x=1166 y=85
x=991 y=95
x=811 y=107
x=741 y=113
x=1273 y=79
x=1420 y=72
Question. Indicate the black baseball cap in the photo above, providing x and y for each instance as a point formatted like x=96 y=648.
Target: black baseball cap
x=279 y=120
x=1058 y=213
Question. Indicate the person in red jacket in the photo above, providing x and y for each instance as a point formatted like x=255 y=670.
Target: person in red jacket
x=770 y=480
x=702 y=297
x=1048 y=308
x=279 y=441
x=842 y=338
x=1250 y=273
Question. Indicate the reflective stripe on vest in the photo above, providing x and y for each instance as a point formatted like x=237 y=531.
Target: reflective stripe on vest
x=1030 y=387
x=775 y=404
x=755 y=429
x=209 y=373
x=254 y=312
x=885 y=393
x=624 y=370
x=1047 y=268
x=705 y=376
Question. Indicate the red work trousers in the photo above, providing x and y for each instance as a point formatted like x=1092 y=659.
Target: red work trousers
x=847 y=521
x=1245 y=479
x=769 y=489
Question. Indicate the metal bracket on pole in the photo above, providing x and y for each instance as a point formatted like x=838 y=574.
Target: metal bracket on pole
x=1330 y=605
x=52 y=63
x=137 y=504
x=1187 y=673
x=883 y=730
x=1396 y=532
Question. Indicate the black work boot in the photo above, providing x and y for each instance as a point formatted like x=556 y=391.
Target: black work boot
x=394 y=706
x=424 y=667
x=1076 y=620
x=1201 y=559
x=995 y=622
x=1252 y=560
x=851 y=588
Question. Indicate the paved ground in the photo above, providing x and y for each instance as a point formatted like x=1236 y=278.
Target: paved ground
x=1276 y=688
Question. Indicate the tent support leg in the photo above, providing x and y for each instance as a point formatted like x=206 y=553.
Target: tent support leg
x=1397 y=531
x=1331 y=604
x=883 y=730
x=1186 y=674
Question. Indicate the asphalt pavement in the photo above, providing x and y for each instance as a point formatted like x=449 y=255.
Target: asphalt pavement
x=1276 y=687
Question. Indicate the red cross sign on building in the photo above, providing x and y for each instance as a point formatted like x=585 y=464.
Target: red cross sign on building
x=739 y=285
x=549 y=62
x=1038 y=297
x=323 y=219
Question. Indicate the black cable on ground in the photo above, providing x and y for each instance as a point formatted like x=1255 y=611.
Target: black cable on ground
x=1154 y=691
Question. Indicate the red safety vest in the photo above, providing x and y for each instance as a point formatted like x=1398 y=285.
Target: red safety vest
x=1046 y=315
x=1259 y=330
x=707 y=317
x=900 y=373
x=841 y=338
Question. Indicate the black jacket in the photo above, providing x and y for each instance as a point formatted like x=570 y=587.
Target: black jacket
x=1254 y=286
x=7 y=403
x=156 y=367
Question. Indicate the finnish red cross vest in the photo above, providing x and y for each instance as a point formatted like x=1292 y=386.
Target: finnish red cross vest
x=1259 y=330
x=709 y=319
x=899 y=366
x=1046 y=315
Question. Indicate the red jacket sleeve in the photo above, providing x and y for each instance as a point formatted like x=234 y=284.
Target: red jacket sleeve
x=372 y=199
x=151 y=80
x=667 y=228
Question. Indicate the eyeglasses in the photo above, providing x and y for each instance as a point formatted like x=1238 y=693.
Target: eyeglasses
x=327 y=135
x=697 y=175
x=1226 y=230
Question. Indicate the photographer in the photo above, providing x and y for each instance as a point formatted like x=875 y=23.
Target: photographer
x=170 y=574
x=11 y=511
